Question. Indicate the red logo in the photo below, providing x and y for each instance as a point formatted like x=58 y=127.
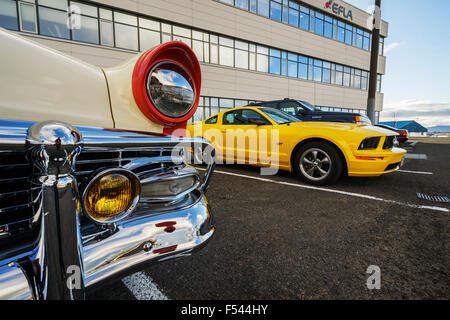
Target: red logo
x=328 y=4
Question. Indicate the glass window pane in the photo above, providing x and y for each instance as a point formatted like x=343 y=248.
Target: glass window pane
x=326 y=76
x=88 y=31
x=241 y=59
x=197 y=46
x=317 y=74
x=303 y=71
x=226 y=42
x=328 y=30
x=53 y=23
x=275 y=10
x=241 y=45
x=263 y=7
x=341 y=34
x=28 y=17
x=304 y=21
x=149 y=24
x=166 y=27
x=125 y=18
x=226 y=56
x=253 y=5
x=149 y=39
x=85 y=9
x=8 y=15
x=126 y=36
x=275 y=67
x=292 y=69
x=243 y=4
x=166 y=38
x=293 y=17
x=252 y=61
x=197 y=35
x=107 y=33
x=319 y=26
x=105 y=14
x=184 y=32
x=58 y=4
x=348 y=37
x=262 y=64
x=214 y=55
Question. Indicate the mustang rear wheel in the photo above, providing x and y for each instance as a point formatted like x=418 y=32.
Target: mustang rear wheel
x=318 y=163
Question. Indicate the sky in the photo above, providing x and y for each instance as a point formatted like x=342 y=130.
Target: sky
x=416 y=85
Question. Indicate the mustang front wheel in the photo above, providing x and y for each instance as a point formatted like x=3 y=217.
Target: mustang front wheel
x=318 y=163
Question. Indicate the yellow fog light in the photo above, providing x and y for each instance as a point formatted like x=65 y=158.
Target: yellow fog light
x=111 y=195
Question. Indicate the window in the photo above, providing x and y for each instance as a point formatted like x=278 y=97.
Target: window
x=364 y=80
x=262 y=59
x=252 y=56
x=226 y=54
x=27 y=17
x=294 y=14
x=263 y=7
x=212 y=120
x=328 y=27
x=278 y=116
x=8 y=15
x=275 y=10
x=341 y=31
x=106 y=33
x=348 y=34
x=302 y=67
x=87 y=30
x=126 y=36
x=347 y=74
x=304 y=18
x=317 y=70
x=253 y=5
x=125 y=29
x=275 y=62
x=356 y=79
x=214 y=47
x=326 y=72
x=182 y=35
x=318 y=23
x=53 y=23
x=243 y=4
x=200 y=45
x=379 y=83
x=241 y=54
x=150 y=39
x=292 y=65
x=241 y=117
x=339 y=75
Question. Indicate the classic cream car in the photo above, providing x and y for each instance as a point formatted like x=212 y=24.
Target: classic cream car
x=93 y=177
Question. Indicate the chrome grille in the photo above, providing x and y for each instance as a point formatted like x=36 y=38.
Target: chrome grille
x=19 y=199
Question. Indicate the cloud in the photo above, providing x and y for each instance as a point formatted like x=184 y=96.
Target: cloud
x=427 y=113
x=392 y=46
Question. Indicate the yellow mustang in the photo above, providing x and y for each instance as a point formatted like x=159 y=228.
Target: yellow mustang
x=318 y=152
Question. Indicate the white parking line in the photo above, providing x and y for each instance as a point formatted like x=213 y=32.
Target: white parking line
x=416 y=156
x=416 y=172
x=142 y=287
x=352 y=194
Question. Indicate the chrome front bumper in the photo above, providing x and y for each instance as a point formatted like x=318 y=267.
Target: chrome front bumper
x=64 y=262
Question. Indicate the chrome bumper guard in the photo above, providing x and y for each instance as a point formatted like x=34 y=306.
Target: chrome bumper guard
x=65 y=262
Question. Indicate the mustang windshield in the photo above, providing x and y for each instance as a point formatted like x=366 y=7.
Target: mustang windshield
x=280 y=117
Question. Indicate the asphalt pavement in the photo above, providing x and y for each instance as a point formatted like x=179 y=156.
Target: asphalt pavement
x=278 y=238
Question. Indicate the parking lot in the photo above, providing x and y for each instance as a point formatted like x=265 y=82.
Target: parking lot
x=278 y=238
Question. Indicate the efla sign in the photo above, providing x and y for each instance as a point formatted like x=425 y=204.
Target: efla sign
x=339 y=10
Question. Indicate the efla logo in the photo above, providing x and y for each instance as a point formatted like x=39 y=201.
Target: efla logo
x=339 y=10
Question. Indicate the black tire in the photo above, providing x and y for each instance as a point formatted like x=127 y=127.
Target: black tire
x=311 y=170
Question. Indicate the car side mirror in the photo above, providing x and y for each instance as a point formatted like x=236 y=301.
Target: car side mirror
x=257 y=121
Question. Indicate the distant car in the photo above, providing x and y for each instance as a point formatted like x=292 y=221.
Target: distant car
x=402 y=136
x=305 y=111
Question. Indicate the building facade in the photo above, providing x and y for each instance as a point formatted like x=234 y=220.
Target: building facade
x=250 y=50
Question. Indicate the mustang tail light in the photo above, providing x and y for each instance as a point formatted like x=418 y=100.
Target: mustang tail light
x=166 y=84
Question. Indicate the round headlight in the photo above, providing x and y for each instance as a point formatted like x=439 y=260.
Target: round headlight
x=111 y=195
x=171 y=89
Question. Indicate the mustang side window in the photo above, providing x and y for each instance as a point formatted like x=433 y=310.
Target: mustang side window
x=212 y=120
